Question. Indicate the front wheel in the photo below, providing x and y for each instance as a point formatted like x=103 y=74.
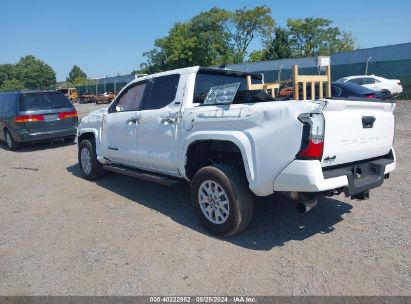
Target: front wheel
x=90 y=167
x=222 y=200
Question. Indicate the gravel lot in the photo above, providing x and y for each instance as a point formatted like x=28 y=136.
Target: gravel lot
x=63 y=235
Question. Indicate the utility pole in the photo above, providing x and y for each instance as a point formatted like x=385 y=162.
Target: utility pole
x=279 y=73
x=366 y=65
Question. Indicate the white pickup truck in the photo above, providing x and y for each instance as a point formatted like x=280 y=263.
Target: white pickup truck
x=202 y=125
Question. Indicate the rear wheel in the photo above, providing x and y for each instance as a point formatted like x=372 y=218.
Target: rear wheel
x=11 y=144
x=90 y=167
x=222 y=200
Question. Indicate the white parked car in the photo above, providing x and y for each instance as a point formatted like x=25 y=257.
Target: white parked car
x=203 y=126
x=376 y=83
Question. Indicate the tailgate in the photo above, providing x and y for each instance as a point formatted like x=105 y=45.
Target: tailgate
x=51 y=121
x=357 y=130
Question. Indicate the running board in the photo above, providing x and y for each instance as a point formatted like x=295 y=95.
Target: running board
x=152 y=177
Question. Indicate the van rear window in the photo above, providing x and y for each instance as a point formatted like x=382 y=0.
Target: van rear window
x=44 y=101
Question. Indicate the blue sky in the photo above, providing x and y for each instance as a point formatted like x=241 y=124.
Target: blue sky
x=108 y=37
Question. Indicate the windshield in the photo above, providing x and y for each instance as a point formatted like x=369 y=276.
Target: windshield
x=43 y=101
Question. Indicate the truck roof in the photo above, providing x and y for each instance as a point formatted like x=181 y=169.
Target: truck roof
x=195 y=69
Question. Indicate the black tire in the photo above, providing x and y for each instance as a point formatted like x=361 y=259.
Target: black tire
x=12 y=145
x=69 y=139
x=239 y=196
x=96 y=168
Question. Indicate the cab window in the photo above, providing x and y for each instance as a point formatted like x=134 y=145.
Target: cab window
x=131 y=99
x=161 y=92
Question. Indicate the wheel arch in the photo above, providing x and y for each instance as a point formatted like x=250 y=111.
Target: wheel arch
x=86 y=135
x=198 y=146
x=90 y=134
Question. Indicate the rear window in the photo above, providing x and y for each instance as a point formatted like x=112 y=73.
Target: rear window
x=206 y=81
x=43 y=101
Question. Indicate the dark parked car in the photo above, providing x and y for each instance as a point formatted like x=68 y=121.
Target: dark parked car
x=31 y=116
x=343 y=90
x=348 y=89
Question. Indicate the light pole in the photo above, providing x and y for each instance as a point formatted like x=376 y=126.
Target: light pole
x=366 y=65
x=279 y=72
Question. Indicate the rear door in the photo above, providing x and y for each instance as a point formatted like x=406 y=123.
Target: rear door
x=357 y=130
x=158 y=123
x=51 y=111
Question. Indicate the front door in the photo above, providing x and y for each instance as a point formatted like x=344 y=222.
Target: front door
x=119 y=130
x=158 y=124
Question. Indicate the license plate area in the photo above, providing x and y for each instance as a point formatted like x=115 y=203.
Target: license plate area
x=365 y=170
x=51 y=117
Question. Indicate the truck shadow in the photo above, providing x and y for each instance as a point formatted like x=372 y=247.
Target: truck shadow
x=275 y=221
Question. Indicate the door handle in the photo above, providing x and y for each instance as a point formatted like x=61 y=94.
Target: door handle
x=368 y=122
x=133 y=120
x=168 y=120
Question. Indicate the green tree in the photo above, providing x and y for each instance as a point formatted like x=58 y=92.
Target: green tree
x=200 y=41
x=28 y=73
x=345 y=43
x=279 y=48
x=7 y=72
x=257 y=55
x=246 y=25
x=34 y=73
x=210 y=38
x=11 y=85
x=172 y=51
x=316 y=36
x=76 y=76
x=213 y=41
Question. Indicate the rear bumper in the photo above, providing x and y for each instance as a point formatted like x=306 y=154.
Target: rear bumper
x=23 y=136
x=353 y=178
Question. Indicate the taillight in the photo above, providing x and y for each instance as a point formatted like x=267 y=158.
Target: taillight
x=399 y=82
x=29 y=118
x=371 y=96
x=63 y=115
x=312 y=145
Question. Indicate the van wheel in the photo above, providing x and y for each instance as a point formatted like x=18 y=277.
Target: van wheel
x=11 y=144
x=90 y=167
x=222 y=200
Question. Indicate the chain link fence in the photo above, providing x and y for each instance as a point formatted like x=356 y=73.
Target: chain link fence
x=400 y=69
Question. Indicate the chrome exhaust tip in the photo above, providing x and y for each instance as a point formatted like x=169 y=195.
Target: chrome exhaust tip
x=306 y=205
